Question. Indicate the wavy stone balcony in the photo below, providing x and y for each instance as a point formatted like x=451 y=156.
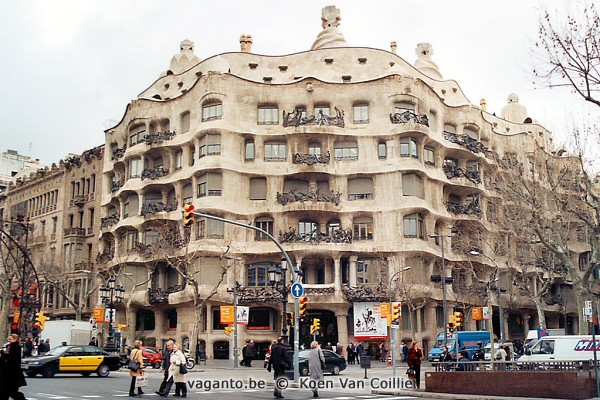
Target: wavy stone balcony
x=457 y=172
x=298 y=117
x=105 y=256
x=158 y=137
x=154 y=173
x=409 y=116
x=294 y=195
x=161 y=296
x=259 y=294
x=311 y=159
x=113 y=219
x=467 y=142
x=316 y=236
x=366 y=293
x=472 y=208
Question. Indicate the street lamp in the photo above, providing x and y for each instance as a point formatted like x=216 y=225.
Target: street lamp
x=444 y=280
x=275 y=273
x=498 y=291
x=393 y=332
x=111 y=294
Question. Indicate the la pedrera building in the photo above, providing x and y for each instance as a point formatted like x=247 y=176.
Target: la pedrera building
x=360 y=163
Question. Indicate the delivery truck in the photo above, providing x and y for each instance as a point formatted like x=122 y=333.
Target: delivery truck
x=468 y=339
x=67 y=332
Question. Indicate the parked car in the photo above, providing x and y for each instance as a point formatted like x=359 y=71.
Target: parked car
x=78 y=359
x=333 y=362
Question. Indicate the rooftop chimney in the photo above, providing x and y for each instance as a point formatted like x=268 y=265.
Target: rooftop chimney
x=483 y=104
x=246 y=43
x=393 y=47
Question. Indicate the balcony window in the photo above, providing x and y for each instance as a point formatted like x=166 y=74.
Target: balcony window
x=130 y=239
x=382 y=151
x=473 y=165
x=361 y=114
x=179 y=160
x=212 y=111
x=450 y=163
x=185 y=122
x=408 y=147
x=307 y=227
x=333 y=226
x=209 y=184
x=249 y=150
x=363 y=228
x=360 y=188
x=322 y=109
x=150 y=237
x=209 y=229
x=314 y=149
x=346 y=151
x=257 y=274
x=135 y=168
x=429 y=155
x=413 y=226
x=268 y=115
x=210 y=145
x=362 y=271
x=400 y=108
x=258 y=188
x=136 y=135
x=412 y=185
x=275 y=151
x=266 y=224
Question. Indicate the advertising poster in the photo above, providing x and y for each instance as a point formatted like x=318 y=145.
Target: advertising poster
x=368 y=321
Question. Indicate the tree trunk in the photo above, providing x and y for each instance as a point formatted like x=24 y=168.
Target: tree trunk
x=129 y=311
x=4 y=308
x=540 y=312
x=78 y=313
x=196 y=328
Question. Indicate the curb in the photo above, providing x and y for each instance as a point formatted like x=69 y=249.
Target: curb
x=449 y=396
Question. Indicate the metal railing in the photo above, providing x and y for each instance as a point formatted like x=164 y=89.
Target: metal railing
x=516 y=366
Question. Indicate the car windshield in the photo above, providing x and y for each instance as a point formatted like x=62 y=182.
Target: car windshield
x=57 y=351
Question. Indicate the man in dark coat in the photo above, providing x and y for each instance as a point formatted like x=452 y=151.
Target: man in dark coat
x=166 y=362
x=249 y=354
x=10 y=370
x=278 y=362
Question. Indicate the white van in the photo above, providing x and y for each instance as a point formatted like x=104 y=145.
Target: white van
x=572 y=348
x=488 y=350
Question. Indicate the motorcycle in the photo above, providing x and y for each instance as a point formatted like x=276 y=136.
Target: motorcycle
x=189 y=361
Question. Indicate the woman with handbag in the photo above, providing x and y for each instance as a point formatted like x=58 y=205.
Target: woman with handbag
x=178 y=370
x=136 y=359
x=414 y=362
x=12 y=375
x=316 y=365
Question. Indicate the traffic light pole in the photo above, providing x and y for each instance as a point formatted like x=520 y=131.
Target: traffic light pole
x=295 y=278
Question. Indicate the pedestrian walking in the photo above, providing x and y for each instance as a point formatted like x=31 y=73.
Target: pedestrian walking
x=278 y=363
x=339 y=350
x=446 y=358
x=28 y=348
x=414 y=361
x=350 y=354
x=316 y=363
x=166 y=362
x=93 y=342
x=383 y=351
x=136 y=355
x=405 y=352
x=11 y=375
x=177 y=358
x=249 y=354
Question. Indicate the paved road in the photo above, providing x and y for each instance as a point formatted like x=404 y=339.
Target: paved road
x=218 y=384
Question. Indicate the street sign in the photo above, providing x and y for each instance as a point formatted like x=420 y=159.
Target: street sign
x=243 y=313
x=107 y=315
x=99 y=314
x=486 y=313
x=297 y=290
x=226 y=315
x=477 y=313
x=16 y=316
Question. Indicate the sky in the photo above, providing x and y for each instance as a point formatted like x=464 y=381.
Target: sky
x=70 y=67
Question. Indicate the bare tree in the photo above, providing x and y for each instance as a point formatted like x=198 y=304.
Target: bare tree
x=9 y=275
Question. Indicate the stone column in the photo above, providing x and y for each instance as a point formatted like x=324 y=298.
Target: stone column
x=337 y=280
x=352 y=267
x=160 y=322
x=342 y=326
x=328 y=271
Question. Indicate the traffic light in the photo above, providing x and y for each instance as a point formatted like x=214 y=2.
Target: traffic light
x=188 y=217
x=122 y=326
x=458 y=319
x=317 y=324
x=451 y=323
x=289 y=317
x=228 y=330
x=41 y=320
x=303 y=306
x=396 y=311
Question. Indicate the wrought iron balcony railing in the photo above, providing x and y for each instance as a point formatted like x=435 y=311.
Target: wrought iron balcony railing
x=159 y=295
x=466 y=141
x=116 y=185
x=472 y=208
x=112 y=219
x=311 y=159
x=457 y=172
x=298 y=117
x=409 y=116
x=153 y=208
x=154 y=173
x=366 y=292
x=158 y=137
x=118 y=153
x=294 y=195
x=316 y=236
x=75 y=232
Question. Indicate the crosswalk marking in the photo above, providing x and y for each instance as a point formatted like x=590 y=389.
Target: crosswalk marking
x=91 y=396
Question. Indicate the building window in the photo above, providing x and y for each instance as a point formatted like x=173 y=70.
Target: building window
x=131 y=238
x=412 y=185
x=179 y=160
x=382 y=151
x=150 y=237
x=360 y=189
x=258 y=188
x=185 y=122
x=363 y=228
x=210 y=145
x=266 y=224
x=136 y=135
x=322 y=109
x=54 y=224
x=439 y=316
x=209 y=229
x=362 y=271
x=429 y=155
x=413 y=226
x=209 y=184
x=332 y=227
x=249 y=150
x=400 y=108
x=314 y=149
x=346 y=151
x=268 y=115
x=361 y=114
x=275 y=151
x=256 y=275
x=135 y=167
x=212 y=111
x=306 y=227
x=408 y=147
x=473 y=165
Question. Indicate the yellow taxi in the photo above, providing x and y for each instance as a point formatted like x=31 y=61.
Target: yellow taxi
x=71 y=359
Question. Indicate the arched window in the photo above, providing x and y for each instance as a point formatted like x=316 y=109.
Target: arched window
x=212 y=111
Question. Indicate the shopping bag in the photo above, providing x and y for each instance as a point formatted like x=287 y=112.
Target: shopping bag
x=141 y=380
